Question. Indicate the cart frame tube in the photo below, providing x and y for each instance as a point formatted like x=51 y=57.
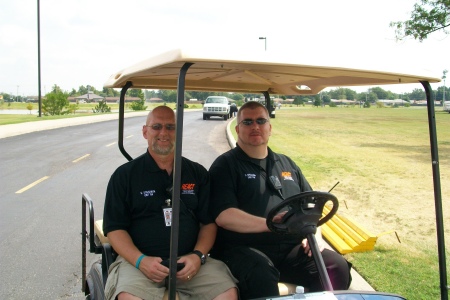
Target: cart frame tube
x=122 y=120
x=177 y=181
x=437 y=190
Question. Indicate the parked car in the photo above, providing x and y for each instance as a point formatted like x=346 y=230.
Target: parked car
x=216 y=106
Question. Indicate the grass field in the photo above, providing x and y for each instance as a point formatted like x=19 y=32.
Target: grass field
x=381 y=158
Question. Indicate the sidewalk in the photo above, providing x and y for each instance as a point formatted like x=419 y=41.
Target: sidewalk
x=27 y=127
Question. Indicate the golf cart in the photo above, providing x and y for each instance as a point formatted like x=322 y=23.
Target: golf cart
x=299 y=215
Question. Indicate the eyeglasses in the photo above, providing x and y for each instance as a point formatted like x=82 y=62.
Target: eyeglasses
x=259 y=121
x=158 y=126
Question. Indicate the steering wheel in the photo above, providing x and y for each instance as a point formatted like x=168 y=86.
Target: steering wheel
x=301 y=214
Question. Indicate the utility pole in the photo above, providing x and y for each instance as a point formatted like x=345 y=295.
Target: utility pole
x=39 y=58
x=443 y=95
x=265 y=42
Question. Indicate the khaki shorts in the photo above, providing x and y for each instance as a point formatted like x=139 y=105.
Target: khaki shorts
x=213 y=279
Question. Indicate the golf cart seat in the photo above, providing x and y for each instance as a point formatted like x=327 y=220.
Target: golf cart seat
x=98 y=229
x=94 y=282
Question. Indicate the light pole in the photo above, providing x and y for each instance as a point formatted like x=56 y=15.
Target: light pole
x=443 y=78
x=39 y=56
x=265 y=42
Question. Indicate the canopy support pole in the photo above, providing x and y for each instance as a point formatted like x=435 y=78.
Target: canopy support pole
x=437 y=190
x=122 y=119
x=177 y=182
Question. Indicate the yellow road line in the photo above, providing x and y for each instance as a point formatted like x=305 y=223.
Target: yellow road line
x=32 y=184
x=109 y=145
x=78 y=159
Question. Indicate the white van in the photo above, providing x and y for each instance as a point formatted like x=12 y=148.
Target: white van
x=216 y=106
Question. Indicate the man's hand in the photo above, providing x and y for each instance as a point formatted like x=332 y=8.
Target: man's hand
x=192 y=264
x=153 y=269
x=307 y=248
x=279 y=217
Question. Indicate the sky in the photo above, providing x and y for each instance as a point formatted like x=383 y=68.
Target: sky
x=83 y=42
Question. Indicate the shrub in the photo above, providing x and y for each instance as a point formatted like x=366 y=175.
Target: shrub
x=101 y=107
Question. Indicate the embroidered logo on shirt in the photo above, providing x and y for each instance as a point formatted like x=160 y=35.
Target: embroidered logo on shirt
x=250 y=176
x=187 y=188
x=148 y=193
x=286 y=175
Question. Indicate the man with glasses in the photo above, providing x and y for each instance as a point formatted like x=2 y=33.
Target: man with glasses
x=138 y=217
x=242 y=194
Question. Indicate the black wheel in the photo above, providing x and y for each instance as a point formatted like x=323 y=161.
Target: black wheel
x=204 y=117
x=94 y=283
x=225 y=117
x=301 y=214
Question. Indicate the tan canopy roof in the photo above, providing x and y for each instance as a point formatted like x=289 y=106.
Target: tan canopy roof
x=236 y=75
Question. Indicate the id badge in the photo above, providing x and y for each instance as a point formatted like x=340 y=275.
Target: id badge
x=167 y=212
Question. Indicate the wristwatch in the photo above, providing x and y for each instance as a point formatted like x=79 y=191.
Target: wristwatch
x=201 y=255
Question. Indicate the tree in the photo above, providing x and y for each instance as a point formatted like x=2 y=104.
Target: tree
x=381 y=94
x=427 y=17
x=440 y=93
x=237 y=97
x=82 y=90
x=417 y=94
x=298 y=100
x=168 y=95
x=55 y=101
x=317 y=101
x=342 y=94
x=109 y=92
x=372 y=97
x=326 y=98
x=138 y=105
x=136 y=93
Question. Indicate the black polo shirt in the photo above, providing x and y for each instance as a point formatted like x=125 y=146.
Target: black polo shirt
x=238 y=181
x=135 y=198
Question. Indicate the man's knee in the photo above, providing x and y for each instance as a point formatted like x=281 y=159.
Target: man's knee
x=127 y=296
x=338 y=269
x=255 y=272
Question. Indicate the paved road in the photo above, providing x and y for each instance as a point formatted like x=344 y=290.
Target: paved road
x=40 y=226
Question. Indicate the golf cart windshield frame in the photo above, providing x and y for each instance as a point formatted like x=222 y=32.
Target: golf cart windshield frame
x=170 y=71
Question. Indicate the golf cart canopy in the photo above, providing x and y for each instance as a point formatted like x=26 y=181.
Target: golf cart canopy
x=226 y=74
x=178 y=70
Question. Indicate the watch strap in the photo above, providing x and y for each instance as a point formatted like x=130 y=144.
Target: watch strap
x=200 y=255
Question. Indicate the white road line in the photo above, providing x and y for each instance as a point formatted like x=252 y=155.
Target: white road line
x=32 y=184
x=78 y=159
x=129 y=136
x=109 y=145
